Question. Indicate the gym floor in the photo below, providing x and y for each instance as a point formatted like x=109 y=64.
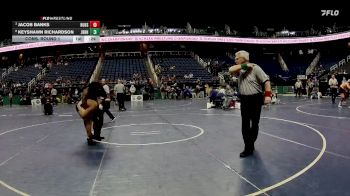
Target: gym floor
x=177 y=148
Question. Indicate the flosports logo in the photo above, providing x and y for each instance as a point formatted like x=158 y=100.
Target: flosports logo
x=329 y=12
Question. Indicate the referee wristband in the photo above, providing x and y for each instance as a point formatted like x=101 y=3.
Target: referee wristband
x=268 y=94
x=244 y=66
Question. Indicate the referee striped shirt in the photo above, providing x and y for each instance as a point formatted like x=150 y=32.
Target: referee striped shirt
x=250 y=82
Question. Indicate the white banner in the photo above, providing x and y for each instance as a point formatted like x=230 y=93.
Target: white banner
x=301 y=77
x=136 y=98
x=36 y=102
x=184 y=38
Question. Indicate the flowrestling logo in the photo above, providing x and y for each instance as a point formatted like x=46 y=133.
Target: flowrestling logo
x=329 y=12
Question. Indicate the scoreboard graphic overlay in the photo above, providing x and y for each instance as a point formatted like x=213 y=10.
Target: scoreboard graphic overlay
x=56 y=31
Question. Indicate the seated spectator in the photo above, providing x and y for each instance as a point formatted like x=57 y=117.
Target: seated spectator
x=173 y=79
x=162 y=79
x=213 y=95
x=150 y=81
x=207 y=90
x=163 y=90
x=221 y=93
x=64 y=97
x=229 y=93
x=156 y=66
x=168 y=91
x=197 y=89
x=132 y=89
x=178 y=92
x=145 y=81
x=187 y=93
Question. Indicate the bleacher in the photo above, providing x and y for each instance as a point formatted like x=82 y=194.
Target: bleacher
x=123 y=68
x=77 y=69
x=328 y=59
x=297 y=64
x=2 y=71
x=269 y=64
x=24 y=74
x=225 y=62
x=183 y=66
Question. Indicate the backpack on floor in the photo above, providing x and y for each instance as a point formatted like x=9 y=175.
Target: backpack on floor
x=48 y=109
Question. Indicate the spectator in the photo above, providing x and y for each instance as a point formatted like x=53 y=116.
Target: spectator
x=221 y=92
x=178 y=92
x=229 y=93
x=212 y=95
x=151 y=91
x=162 y=90
x=310 y=86
x=197 y=90
x=168 y=91
x=187 y=93
x=54 y=95
x=10 y=98
x=132 y=89
x=344 y=80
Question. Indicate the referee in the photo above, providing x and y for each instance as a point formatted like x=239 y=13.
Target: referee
x=107 y=100
x=252 y=81
x=119 y=88
x=333 y=84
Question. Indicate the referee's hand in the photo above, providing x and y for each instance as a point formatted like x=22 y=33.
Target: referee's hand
x=267 y=100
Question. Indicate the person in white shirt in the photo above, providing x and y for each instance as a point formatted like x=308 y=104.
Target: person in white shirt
x=10 y=98
x=119 y=89
x=132 y=89
x=298 y=86
x=333 y=84
x=54 y=95
x=222 y=90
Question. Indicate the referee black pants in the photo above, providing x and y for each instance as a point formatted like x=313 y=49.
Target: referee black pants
x=106 y=105
x=250 y=112
x=97 y=123
x=120 y=98
x=334 y=94
x=297 y=92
